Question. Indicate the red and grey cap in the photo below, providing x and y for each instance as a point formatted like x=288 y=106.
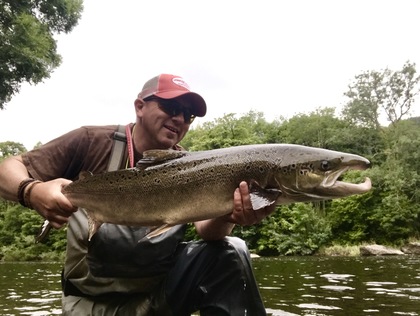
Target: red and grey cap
x=167 y=86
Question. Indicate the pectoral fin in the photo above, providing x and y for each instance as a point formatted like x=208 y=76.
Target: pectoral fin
x=261 y=197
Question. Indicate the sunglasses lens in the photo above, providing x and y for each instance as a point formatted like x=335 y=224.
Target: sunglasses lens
x=174 y=109
x=168 y=109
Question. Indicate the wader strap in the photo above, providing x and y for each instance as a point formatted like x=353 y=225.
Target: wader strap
x=114 y=163
x=118 y=149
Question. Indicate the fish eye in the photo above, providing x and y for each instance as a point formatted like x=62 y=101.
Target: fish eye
x=325 y=165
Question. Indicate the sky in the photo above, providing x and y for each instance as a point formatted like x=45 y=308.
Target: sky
x=277 y=57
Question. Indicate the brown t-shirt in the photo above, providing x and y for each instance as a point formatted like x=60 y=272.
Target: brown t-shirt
x=114 y=260
x=85 y=149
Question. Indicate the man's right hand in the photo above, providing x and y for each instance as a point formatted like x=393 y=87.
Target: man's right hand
x=48 y=200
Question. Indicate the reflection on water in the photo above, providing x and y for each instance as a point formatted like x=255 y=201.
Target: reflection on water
x=30 y=289
x=340 y=286
x=290 y=286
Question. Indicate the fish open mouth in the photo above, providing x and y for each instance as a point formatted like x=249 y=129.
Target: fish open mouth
x=341 y=188
x=333 y=187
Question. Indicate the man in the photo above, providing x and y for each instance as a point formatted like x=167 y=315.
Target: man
x=114 y=274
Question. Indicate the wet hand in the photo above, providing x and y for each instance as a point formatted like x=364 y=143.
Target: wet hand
x=48 y=200
x=243 y=214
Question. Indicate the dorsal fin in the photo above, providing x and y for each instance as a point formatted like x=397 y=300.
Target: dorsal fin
x=85 y=174
x=158 y=156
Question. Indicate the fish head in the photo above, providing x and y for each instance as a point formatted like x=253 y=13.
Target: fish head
x=316 y=179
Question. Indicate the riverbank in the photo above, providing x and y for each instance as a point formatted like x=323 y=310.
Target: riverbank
x=10 y=254
x=412 y=247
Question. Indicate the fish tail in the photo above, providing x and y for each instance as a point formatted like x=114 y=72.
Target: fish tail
x=44 y=232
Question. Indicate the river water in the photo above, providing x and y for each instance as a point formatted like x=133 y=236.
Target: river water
x=289 y=285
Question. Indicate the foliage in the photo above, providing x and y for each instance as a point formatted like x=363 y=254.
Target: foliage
x=393 y=92
x=228 y=131
x=18 y=226
x=28 y=51
x=399 y=181
x=322 y=128
x=11 y=149
x=350 y=217
x=296 y=229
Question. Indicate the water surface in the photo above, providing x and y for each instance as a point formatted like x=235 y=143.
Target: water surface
x=340 y=285
x=289 y=285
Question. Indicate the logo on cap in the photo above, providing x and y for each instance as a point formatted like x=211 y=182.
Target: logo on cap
x=180 y=82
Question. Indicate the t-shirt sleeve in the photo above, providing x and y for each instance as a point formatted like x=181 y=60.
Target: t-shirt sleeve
x=83 y=149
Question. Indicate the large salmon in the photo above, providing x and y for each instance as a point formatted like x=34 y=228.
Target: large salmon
x=172 y=187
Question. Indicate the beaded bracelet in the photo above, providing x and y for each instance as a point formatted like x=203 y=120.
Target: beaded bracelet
x=26 y=196
x=21 y=190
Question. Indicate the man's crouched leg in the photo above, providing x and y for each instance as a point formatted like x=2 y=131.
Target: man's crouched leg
x=215 y=278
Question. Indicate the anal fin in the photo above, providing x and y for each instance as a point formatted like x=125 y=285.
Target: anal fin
x=93 y=225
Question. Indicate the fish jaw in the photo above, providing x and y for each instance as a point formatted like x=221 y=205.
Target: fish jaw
x=342 y=189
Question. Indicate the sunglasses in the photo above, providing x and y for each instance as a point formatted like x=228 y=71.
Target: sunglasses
x=173 y=108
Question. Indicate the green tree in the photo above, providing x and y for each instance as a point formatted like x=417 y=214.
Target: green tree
x=350 y=218
x=321 y=128
x=11 y=149
x=295 y=229
x=228 y=131
x=399 y=213
x=392 y=92
x=318 y=128
x=390 y=212
x=28 y=50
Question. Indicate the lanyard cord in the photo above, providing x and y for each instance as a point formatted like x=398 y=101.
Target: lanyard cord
x=130 y=146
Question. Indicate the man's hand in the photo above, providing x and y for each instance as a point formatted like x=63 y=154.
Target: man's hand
x=243 y=214
x=48 y=200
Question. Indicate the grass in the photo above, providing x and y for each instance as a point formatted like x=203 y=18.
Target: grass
x=339 y=250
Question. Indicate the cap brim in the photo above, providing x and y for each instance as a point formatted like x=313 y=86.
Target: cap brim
x=198 y=105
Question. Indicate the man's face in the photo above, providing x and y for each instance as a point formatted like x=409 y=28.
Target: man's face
x=163 y=123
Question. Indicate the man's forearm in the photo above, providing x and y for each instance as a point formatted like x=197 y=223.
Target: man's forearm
x=12 y=172
x=214 y=229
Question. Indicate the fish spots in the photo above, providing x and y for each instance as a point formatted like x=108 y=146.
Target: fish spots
x=291 y=168
x=306 y=168
x=232 y=171
x=303 y=172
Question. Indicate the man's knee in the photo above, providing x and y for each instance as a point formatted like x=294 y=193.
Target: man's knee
x=238 y=244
